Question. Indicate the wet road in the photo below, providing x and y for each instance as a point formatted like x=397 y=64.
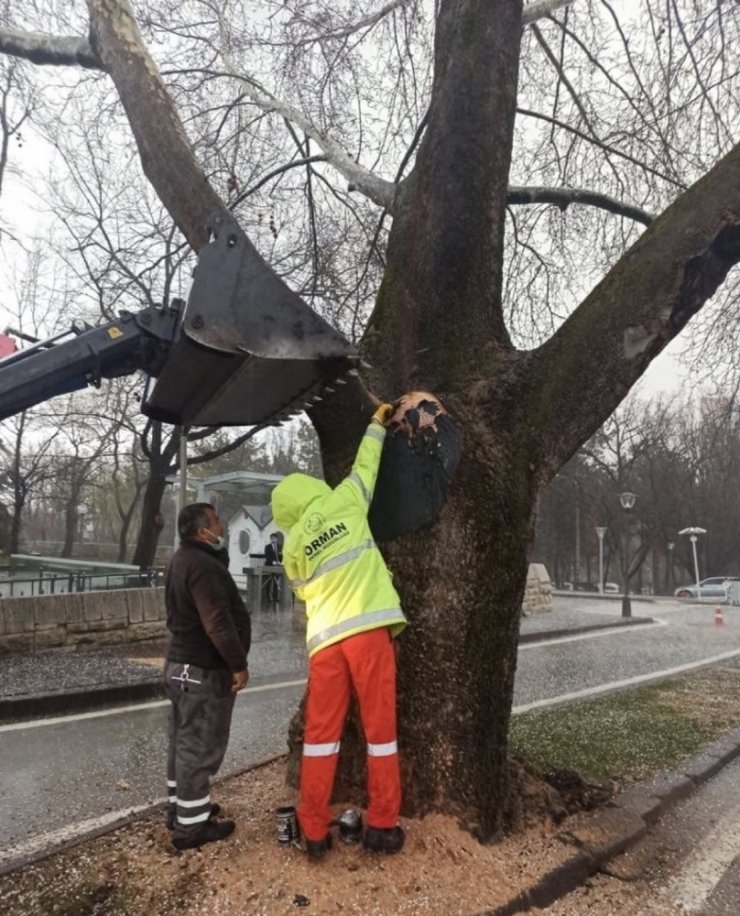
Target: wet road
x=62 y=777
x=688 y=862
x=578 y=666
x=65 y=776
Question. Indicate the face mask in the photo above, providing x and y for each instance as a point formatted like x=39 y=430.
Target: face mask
x=219 y=543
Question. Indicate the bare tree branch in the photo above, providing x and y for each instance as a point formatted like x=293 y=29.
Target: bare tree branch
x=360 y=179
x=605 y=146
x=564 y=197
x=366 y=23
x=57 y=50
x=538 y=9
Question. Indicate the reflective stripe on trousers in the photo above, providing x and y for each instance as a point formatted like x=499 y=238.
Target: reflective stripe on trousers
x=366 y=663
x=199 y=724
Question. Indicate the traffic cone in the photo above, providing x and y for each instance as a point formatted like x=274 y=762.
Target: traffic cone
x=718 y=618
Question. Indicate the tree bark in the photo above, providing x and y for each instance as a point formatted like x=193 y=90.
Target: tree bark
x=160 y=459
x=71 y=523
x=438 y=325
x=438 y=322
x=149 y=531
x=461 y=586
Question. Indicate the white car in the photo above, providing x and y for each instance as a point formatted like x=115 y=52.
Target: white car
x=715 y=587
x=611 y=588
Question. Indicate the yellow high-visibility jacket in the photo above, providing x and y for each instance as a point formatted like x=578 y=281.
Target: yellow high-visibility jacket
x=329 y=554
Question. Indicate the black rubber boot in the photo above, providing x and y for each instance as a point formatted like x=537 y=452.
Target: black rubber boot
x=172 y=814
x=210 y=832
x=388 y=839
x=317 y=849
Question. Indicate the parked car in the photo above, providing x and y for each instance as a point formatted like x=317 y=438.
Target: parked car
x=611 y=588
x=713 y=587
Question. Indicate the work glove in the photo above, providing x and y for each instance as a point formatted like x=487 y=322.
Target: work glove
x=383 y=414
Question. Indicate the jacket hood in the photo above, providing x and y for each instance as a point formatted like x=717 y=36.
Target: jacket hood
x=292 y=496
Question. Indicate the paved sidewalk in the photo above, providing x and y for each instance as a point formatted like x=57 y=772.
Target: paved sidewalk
x=601 y=836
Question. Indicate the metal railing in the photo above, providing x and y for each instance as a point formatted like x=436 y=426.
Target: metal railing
x=57 y=583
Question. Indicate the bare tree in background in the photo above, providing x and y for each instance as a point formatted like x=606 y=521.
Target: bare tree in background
x=16 y=105
x=471 y=105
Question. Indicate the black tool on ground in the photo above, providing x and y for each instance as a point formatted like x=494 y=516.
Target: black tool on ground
x=420 y=456
x=350 y=826
x=244 y=350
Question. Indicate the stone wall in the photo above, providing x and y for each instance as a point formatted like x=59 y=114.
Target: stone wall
x=129 y=615
x=81 y=619
x=538 y=594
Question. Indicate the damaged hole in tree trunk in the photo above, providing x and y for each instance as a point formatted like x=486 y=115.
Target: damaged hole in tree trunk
x=420 y=456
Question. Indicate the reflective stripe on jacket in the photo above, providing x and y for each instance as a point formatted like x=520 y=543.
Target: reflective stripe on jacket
x=329 y=554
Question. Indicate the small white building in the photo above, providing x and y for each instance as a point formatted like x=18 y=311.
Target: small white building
x=249 y=530
x=242 y=499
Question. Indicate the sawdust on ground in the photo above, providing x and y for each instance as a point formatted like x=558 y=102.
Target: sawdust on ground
x=133 y=871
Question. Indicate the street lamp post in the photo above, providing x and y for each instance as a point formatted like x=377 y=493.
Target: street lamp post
x=601 y=532
x=693 y=533
x=627 y=501
x=670 y=545
x=81 y=513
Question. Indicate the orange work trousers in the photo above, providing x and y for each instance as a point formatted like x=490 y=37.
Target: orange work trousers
x=367 y=663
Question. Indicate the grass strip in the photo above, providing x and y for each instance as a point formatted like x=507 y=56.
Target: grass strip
x=634 y=734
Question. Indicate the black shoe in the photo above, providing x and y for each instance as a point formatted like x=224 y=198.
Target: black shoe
x=317 y=849
x=210 y=832
x=380 y=839
x=172 y=814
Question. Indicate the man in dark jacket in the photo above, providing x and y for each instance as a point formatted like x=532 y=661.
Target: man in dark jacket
x=273 y=552
x=206 y=667
x=273 y=557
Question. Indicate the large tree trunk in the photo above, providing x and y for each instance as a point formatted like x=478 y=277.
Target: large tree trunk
x=127 y=518
x=160 y=458
x=15 y=525
x=438 y=324
x=458 y=655
x=149 y=529
x=71 y=527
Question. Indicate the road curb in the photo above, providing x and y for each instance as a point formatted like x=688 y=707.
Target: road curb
x=546 y=635
x=38 y=706
x=35 y=706
x=125 y=821
x=602 y=835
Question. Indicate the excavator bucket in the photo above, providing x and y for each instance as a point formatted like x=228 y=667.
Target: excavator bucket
x=248 y=350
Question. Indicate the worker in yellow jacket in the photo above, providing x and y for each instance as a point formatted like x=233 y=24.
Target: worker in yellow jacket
x=353 y=613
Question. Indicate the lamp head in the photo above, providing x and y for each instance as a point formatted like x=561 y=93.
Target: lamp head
x=627 y=500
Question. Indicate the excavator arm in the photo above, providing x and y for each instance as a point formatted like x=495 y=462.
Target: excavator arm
x=244 y=350
x=79 y=357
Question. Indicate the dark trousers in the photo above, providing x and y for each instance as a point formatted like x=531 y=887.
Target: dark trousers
x=198 y=732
